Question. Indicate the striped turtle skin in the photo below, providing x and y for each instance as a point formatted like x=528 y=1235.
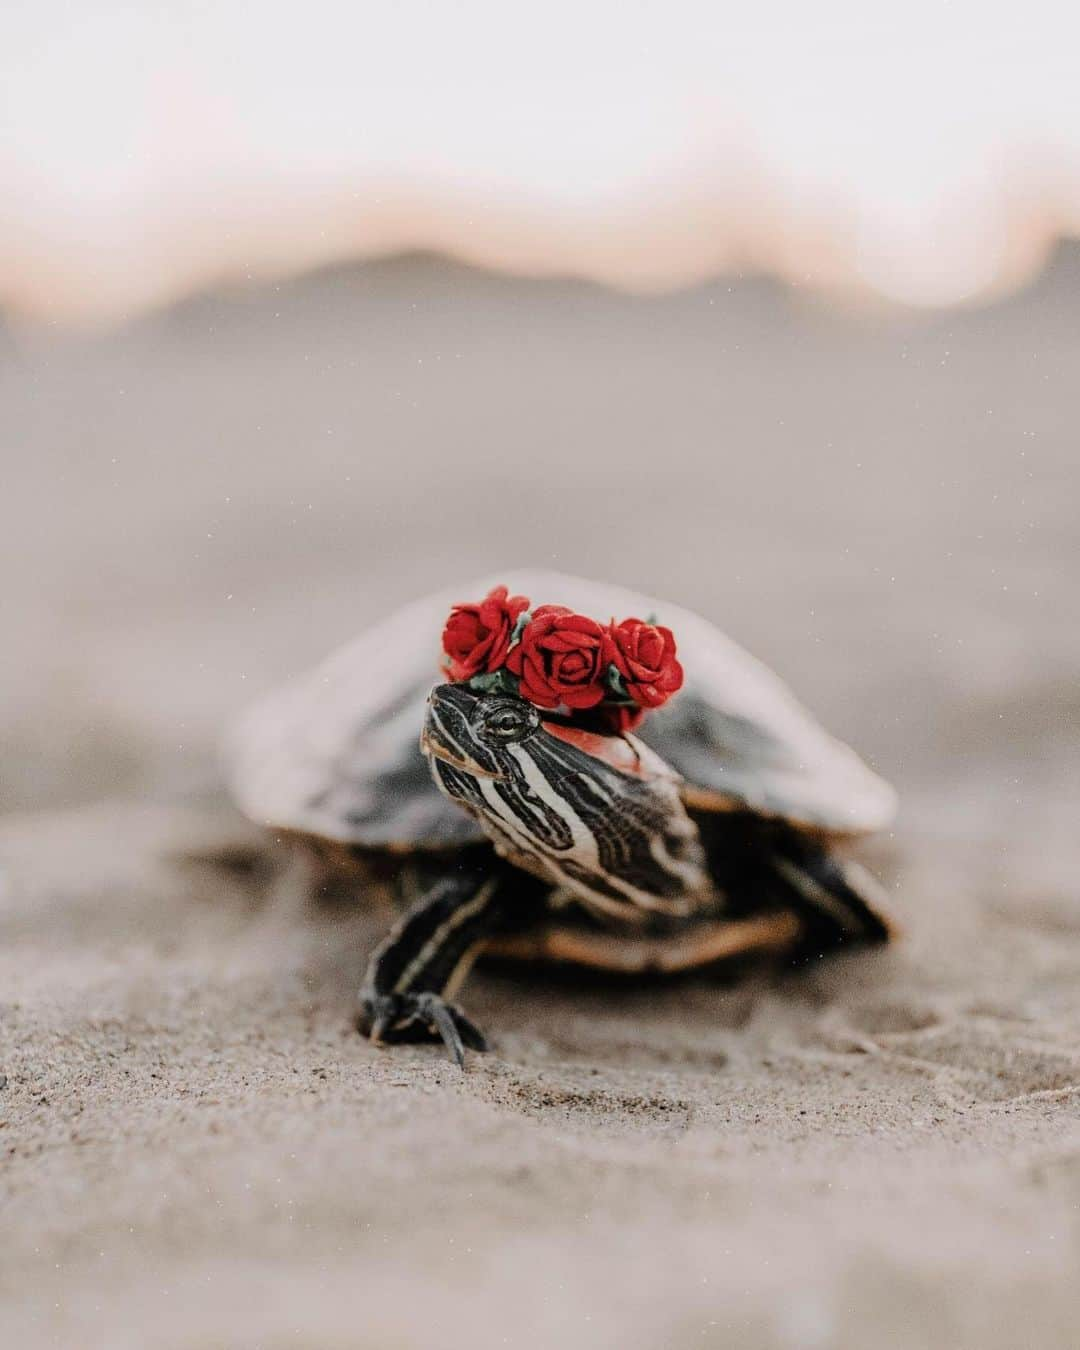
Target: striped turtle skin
x=708 y=836
x=599 y=817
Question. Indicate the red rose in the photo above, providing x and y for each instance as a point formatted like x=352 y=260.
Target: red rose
x=560 y=659
x=476 y=637
x=644 y=655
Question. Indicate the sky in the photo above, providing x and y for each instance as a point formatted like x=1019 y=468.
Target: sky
x=925 y=153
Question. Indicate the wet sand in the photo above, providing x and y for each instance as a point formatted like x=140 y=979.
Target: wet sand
x=195 y=1149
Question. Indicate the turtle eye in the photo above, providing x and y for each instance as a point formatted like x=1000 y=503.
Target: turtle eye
x=510 y=722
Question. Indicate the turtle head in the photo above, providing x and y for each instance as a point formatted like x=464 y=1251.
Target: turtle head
x=596 y=813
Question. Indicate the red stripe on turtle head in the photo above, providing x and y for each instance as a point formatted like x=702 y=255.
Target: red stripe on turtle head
x=616 y=751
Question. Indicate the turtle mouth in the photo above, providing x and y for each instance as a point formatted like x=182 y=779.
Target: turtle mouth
x=435 y=745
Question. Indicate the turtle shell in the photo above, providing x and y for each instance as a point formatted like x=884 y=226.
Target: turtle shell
x=335 y=754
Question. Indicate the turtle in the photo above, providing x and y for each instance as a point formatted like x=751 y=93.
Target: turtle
x=710 y=835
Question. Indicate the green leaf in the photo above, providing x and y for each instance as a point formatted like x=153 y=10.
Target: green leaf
x=486 y=684
x=494 y=682
x=523 y=621
x=615 y=680
x=617 y=684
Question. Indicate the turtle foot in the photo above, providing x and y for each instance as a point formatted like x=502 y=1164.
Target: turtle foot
x=388 y=1019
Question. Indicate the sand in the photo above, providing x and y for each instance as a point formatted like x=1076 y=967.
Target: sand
x=195 y=1148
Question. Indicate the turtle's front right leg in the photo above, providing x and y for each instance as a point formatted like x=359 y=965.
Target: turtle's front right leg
x=414 y=973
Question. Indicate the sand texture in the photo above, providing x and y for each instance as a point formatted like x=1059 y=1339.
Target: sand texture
x=196 y=1151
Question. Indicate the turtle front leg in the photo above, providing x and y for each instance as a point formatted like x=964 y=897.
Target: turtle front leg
x=414 y=973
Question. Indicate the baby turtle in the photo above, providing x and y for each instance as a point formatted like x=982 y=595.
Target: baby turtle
x=549 y=834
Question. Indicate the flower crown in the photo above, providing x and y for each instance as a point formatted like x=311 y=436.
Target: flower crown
x=561 y=660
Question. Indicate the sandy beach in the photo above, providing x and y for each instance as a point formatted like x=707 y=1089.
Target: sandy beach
x=197 y=1151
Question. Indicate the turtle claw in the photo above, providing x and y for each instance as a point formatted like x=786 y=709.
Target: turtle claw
x=388 y=1019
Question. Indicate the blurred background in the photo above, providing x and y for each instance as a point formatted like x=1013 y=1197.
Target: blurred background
x=771 y=309
x=928 y=154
